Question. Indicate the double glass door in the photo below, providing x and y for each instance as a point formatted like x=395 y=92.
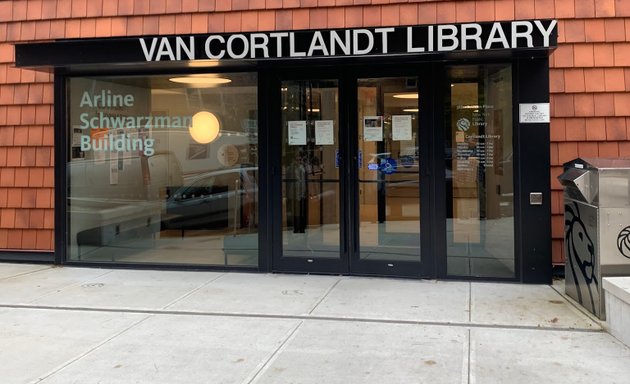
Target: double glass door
x=348 y=186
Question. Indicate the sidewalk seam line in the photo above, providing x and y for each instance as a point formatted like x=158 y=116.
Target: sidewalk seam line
x=195 y=290
x=470 y=302
x=469 y=352
x=25 y=273
x=324 y=296
x=84 y=354
x=305 y=317
x=275 y=353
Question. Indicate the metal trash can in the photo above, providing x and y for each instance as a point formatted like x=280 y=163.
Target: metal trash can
x=596 y=227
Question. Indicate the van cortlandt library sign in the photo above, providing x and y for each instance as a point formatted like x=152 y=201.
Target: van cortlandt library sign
x=358 y=42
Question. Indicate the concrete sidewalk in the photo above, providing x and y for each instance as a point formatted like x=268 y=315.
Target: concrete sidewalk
x=81 y=325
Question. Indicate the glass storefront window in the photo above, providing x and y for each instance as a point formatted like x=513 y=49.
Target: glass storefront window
x=479 y=171
x=163 y=169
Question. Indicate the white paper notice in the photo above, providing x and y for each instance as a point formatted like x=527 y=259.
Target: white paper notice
x=373 y=128
x=297 y=132
x=76 y=138
x=324 y=132
x=401 y=127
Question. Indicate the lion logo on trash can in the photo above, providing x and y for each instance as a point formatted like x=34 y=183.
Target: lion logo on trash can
x=623 y=242
x=580 y=254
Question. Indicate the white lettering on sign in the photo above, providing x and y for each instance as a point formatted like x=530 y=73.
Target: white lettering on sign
x=292 y=50
x=318 y=44
x=209 y=52
x=279 y=36
x=474 y=36
x=262 y=45
x=410 y=47
x=107 y=124
x=384 y=32
x=101 y=119
x=337 y=41
x=164 y=49
x=546 y=32
x=117 y=143
x=497 y=36
x=524 y=34
x=106 y=99
x=230 y=46
x=446 y=33
x=353 y=42
x=356 y=34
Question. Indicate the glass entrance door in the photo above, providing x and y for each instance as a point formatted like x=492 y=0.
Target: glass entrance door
x=388 y=177
x=349 y=176
x=310 y=171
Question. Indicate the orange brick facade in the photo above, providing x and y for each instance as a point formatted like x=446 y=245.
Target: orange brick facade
x=589 y=77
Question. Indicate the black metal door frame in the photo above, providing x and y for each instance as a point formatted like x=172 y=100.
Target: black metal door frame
x=349 y=261
x=277 y=261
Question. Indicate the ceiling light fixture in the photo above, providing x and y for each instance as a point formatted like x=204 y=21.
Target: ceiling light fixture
x=406 y=95
x=203 y=63
x=200 y=80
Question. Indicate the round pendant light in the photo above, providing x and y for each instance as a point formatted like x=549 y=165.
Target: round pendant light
x=205 y=127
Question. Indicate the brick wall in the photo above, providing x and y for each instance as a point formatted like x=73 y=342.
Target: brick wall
x=590 y=75
x=590 y=84
x=26 y=137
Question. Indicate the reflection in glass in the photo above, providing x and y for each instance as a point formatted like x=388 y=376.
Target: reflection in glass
x=142 y=189
x=310 y=172
x=389 y=188
x=479 y=171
